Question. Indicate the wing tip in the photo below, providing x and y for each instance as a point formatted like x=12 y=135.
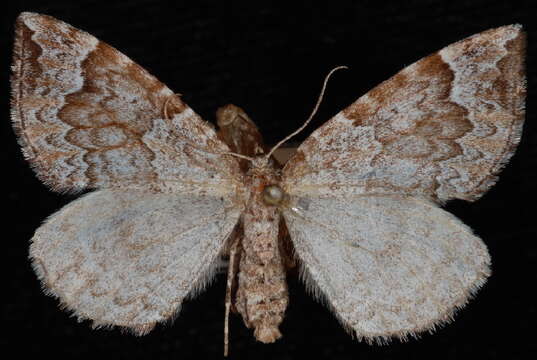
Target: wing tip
x=26 y=15
x=516 y=27
x=511 y=30
x=30 y=15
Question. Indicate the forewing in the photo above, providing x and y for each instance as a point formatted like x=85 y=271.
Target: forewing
x=386 y=265
x=88 y=116
x=131 y=258
x=443 y=127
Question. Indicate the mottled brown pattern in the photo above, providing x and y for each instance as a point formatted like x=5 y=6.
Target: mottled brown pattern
x=442 y=127
x=262 y=290
x=356 y=196
x=498 y=110
x=88 y=116
x=101 y=106
x=263 y=251
x=511 y=94
x=430 y=138
x=25 y=67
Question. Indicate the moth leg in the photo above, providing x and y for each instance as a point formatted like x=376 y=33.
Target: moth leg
x=239 y=132
x=286 y=247
x=233 y=253
x=165 y=112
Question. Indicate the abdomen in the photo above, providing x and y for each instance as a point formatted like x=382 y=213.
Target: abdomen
x=262 y=290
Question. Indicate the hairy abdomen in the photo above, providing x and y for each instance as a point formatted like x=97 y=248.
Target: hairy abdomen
x=262 y=290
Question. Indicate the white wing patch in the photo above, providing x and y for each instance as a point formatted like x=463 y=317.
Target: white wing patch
x=386 y=265
x=131 y=258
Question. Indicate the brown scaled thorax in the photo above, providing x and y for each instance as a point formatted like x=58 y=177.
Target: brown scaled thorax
x=259 y=247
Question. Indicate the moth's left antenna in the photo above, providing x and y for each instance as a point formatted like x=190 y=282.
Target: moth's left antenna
x=319 y=100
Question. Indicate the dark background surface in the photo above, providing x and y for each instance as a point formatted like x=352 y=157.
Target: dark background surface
x=270 y=60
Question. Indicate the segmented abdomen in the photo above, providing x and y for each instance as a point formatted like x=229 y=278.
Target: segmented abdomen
x=262 y=290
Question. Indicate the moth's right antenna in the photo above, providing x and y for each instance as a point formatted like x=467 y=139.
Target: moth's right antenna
x=319 y=100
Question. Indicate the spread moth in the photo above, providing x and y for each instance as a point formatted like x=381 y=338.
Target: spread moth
x=357 y=207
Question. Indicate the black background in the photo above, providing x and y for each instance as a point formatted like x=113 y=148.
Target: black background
x=270 y=58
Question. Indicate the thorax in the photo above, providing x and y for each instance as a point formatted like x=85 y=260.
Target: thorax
x=263 y=183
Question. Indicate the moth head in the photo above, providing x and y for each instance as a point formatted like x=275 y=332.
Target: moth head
x=260 y=163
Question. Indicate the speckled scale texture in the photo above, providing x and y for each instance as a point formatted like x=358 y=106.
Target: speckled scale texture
x=262 y=290
x=130 y=258
x=403 y=265
x=361 y=197
x=88 y=116
x=441 y=128
x=364 y=187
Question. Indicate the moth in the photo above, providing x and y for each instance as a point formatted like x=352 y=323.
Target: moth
x=360 y=199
